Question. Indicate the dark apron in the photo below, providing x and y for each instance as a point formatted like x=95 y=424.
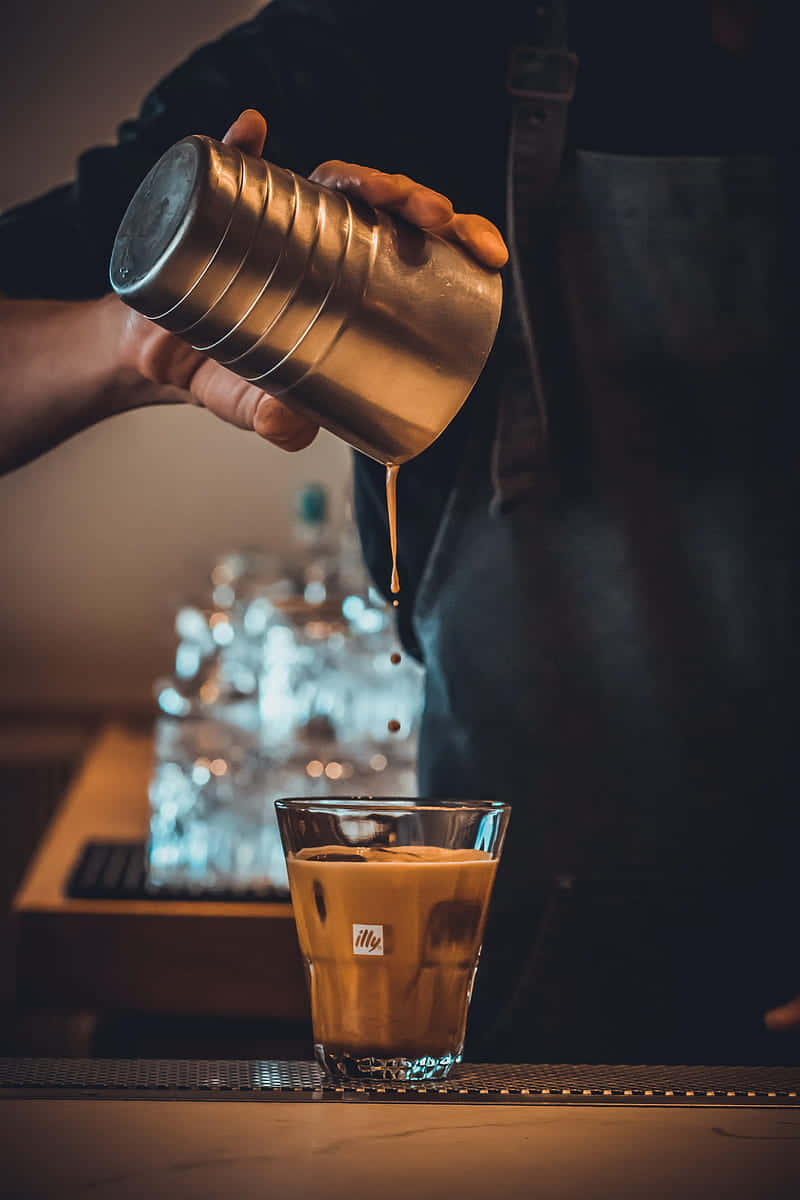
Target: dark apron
x=616 y=657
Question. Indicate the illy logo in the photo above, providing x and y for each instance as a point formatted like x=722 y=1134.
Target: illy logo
x=367 y=939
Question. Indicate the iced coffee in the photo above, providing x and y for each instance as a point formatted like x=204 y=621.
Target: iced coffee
x=390 y=935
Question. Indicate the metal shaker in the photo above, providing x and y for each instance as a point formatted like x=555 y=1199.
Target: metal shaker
x=365 y=324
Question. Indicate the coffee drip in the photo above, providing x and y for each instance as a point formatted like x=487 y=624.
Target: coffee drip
x=392 y=471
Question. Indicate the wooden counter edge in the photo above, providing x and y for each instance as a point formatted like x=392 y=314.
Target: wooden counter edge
x=142 y=954
x=85 y=813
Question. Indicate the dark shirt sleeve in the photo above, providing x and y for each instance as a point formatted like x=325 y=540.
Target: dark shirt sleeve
x=58 y=246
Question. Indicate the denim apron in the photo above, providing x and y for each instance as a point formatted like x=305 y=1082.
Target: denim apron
x=614 y=654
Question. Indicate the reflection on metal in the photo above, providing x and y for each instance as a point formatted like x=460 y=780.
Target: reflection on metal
x=259 y=1079
x=374 y=329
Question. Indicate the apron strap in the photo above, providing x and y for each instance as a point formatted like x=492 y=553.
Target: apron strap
x=541 y=83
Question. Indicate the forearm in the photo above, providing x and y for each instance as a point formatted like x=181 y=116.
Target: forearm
x=60 y=372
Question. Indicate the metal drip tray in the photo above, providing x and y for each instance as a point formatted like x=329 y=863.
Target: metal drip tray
x=508 y=1083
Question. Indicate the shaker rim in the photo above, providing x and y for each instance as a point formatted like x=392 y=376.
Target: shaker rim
x=174 y=224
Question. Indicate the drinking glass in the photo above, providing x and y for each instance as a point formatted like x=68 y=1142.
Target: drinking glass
x=390 y=898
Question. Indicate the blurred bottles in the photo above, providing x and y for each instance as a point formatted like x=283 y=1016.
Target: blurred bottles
x=316 y=545
x=284 y=684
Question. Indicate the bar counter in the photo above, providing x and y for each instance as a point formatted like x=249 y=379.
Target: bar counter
x=255 y=1129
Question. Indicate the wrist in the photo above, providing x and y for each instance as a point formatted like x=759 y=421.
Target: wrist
x=62 y=369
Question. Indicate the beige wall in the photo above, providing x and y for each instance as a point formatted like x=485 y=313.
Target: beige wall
x=101 y=535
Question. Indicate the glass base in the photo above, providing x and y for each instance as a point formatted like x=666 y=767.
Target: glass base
x=341 y=1065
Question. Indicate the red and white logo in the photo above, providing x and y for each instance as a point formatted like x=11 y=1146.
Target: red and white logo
x=368 y=939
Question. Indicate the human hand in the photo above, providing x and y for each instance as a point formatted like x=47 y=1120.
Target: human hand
x=418 y=205
x=785 y=1018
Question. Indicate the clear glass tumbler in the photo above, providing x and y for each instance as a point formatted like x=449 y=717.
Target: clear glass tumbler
x=390 y=898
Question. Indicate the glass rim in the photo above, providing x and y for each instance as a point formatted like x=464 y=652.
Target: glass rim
x=404 y=804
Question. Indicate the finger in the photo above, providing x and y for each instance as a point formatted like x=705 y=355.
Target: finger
x=478 y=235
x=281 y=426
x=420 y=205
x=784 y=1018
x=396 y=193
x=156 y=354
x=248 y=132
x=248 y=407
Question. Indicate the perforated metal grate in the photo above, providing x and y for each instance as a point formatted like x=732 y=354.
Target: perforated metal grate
x=482 y=1083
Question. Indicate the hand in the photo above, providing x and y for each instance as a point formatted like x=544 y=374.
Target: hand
x=418 y=205
x=785 y=1018
x=186 y=375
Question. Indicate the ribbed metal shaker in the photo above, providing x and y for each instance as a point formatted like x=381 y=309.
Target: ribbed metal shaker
x=372 y=328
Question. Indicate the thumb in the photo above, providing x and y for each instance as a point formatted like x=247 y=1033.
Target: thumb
x=248 y=132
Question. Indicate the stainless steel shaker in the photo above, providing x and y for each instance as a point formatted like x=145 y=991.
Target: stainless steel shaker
x=370 y=327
